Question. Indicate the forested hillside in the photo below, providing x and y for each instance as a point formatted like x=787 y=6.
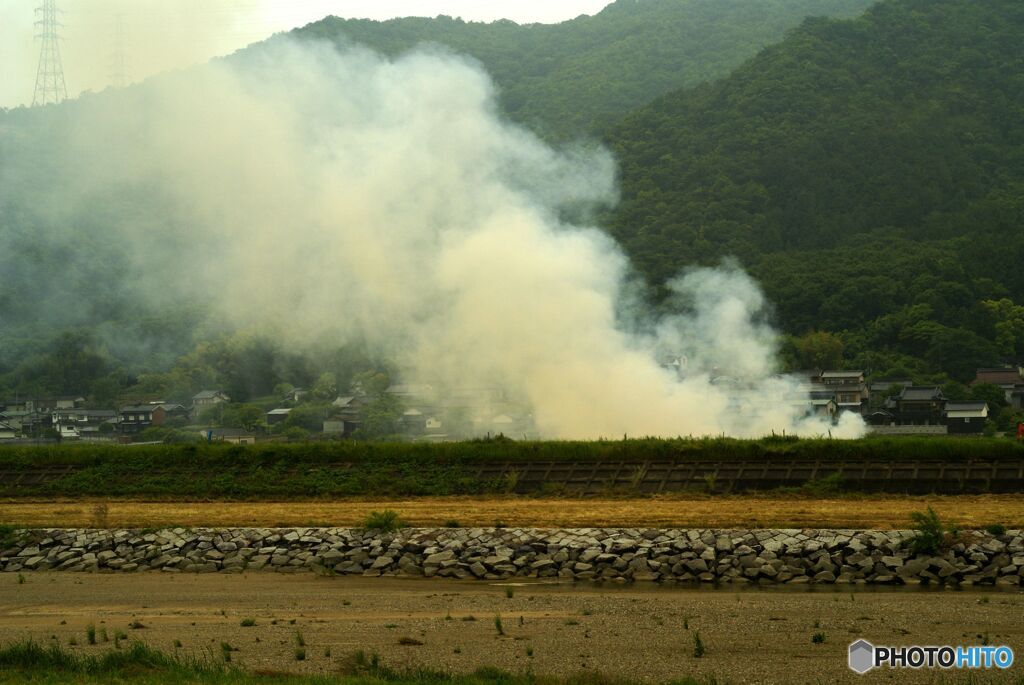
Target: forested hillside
x=71 y=320
x=870 y=172
x=566 y=80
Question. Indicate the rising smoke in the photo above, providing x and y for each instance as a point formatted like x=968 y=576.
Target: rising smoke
x=322 y=195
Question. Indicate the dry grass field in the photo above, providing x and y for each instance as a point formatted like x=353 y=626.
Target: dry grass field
x=884 y=512
x=640 y=633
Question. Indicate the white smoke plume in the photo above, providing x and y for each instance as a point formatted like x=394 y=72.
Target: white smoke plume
x=322 y=195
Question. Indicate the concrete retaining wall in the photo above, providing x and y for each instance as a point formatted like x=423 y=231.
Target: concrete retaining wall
x=672 y=555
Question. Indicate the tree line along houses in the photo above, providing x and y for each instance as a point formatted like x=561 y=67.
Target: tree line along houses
x=897 y=406
x=67 y=418
x=889 y=406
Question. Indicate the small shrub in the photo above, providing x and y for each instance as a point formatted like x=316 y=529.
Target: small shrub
x=247 y=622
x=471 y=617
x=829 y=485
x=510 y=592
x=529 y=652
x=299 y=640
x=818 y=638
x=73 y=641
x=930 y=535
x=327 y=652
x=225 y=651
x=21 y=579
x=300 y=653
x=177 y=644
x=452 y=524
x=136 y=625
x=698 y=645
x=8 y=537
x=497 y=625
x=90 y=634
x=571 y=622
x=500 y=524
x=103 y=635
x=996 y=529
x=409 y=642
x=386 y=521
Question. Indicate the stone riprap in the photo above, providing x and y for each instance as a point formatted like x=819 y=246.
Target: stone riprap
x=618 y=555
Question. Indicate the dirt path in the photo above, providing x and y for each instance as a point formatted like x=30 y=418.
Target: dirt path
x=718 y=512
x=630 y=631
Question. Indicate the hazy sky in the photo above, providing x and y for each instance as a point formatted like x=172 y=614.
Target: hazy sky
x=167 y=34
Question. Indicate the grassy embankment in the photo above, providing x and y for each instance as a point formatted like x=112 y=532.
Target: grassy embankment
x=781 y=510
x=30 y=662
x=346 y=469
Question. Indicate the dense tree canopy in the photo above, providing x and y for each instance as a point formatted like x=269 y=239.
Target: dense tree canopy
x=570 y=79
x=870 y=172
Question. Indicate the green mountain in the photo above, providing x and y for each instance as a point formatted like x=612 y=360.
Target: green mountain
x=579 y=76
x=870 y=172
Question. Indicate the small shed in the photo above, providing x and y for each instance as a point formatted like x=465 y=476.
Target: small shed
x=966 y=417
x=275 y=416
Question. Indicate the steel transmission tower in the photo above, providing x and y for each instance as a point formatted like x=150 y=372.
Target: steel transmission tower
x=118 y=72
x=50 y=85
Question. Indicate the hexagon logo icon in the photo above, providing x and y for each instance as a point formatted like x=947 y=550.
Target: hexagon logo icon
x=862 y=656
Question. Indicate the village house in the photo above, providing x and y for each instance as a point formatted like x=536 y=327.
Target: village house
x=817 y=404
x=849 y=389
x=18 y=405
x=276 y=416
x=139 y=417
x=346 y=414
x=334 y=426
x=1009 y=379
x=920 y=406
x=966 y=417
x=169 y=411
x=295 y=395
x=65 y=402
x=7 y=431
x=414 y=421
x=83 y=424
x=206 y=399
x=30 y=423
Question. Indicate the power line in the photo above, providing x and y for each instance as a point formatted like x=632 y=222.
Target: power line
x=50 y=86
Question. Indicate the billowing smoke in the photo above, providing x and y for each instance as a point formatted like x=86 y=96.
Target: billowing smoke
x=318 y=196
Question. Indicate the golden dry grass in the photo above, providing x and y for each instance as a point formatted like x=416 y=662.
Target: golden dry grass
x=717 y=512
